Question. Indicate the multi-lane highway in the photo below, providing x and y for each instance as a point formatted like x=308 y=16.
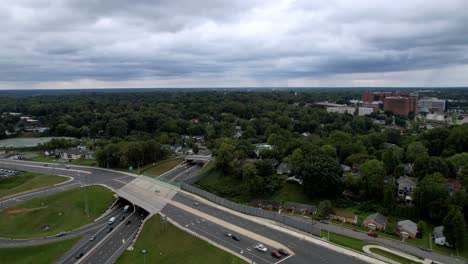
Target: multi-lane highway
x=211 y=227
x=181 y=172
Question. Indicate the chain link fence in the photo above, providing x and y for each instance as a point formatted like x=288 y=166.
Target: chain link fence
x=284 y=219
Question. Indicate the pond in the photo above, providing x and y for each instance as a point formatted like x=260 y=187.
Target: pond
x=25 y=142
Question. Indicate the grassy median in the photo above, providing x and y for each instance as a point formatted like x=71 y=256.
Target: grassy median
x=27 y=181
x=170 y=245
x=54 y=213
x=42 y=254
x=162 y=167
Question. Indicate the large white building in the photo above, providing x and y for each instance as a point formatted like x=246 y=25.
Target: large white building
x=432 y=104
x=365 y=111
x=341 y=109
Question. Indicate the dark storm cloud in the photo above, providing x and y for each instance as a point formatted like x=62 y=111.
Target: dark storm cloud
x=118 y=40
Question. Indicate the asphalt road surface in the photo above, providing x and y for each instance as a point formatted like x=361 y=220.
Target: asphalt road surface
x=85 y=244
x=305 y=252
x=116 y=243
x=217 y=234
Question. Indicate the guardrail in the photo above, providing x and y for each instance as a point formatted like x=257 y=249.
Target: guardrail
x=284 y=219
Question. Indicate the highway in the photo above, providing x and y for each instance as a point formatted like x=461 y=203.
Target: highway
x=181 y=173
x=305 y=252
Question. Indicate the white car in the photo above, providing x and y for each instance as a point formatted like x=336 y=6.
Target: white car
x=261 y=248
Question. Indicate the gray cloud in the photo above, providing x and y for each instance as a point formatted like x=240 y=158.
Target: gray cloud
x=245 y=42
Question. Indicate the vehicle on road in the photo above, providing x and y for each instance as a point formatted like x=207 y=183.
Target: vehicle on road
x=227 y=234
x=323 y=221
x=261 y=247
x=276 y=254
x=67 y=166
x=46 y=165
x=236 y=237
x=128 y=222
x=60 y=234
x=122 y=218
x=196 y=204
x=126 y=208
x=92 y=238
x=110 y=229
x=372 y=234
x=79 y=255
x=283 y=252
x=111 y=220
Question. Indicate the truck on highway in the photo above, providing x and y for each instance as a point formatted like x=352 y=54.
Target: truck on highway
x=111 y=220
x=126 y=208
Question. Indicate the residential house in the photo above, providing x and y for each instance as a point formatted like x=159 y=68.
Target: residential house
x=345 y=168
x=406 y=186
x=184 y=151
x=439 y=237
x=298 y=207
x=345 y=217
x=266 y=204
x=453 y=185
x=375 y=221
x=283 y=168
x=75 y=153
x=406 y=229
x=261 y=146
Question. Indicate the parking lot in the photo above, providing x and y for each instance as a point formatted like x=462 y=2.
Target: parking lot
x=5 y=173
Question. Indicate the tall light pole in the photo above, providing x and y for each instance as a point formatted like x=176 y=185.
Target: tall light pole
x=144 y=252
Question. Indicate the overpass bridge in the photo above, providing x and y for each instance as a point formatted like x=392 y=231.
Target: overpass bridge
x=198 y=158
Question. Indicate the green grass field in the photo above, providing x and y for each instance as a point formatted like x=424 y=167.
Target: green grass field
x=161 y=167
x=27 y=181
x=42 y=254
x=174 y=246
x=345 y=241
x=54 y=213
x=389 y=255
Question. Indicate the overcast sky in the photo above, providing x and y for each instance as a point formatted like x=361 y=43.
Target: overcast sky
x=235 y=43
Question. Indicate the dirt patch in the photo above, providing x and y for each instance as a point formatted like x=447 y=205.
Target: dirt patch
x=21 y=210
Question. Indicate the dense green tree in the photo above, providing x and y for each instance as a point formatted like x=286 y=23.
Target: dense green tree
x=427 y=165
x=416 y=150
x=454 y=227
x=329 y=150
x=431 y=196
x=321 y=176
x=225 y=157
x=391 y=158
x=373 y=172
x=325 y=209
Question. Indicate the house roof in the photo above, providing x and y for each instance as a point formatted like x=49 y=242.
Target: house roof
x=407 y=181
x=283 y=166
x=266 y=203
x=300 y=206
x=453 y=185
x=378 y=218
x=438 y=232
x=345 y=214
x=408 y=225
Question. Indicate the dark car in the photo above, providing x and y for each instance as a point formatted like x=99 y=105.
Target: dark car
x=283 y=252
x=122 y=217
x=60 y=234
x=236 y=237
x=276 y=254
x=110 y=229
x=79 y=255
x=372 y=234
x=128 y=222
x=46 y=165
x=92 y=238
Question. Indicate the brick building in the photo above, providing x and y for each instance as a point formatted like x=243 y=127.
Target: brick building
x=399 y=103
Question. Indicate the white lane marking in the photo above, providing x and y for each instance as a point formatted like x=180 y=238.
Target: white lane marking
x=235 y=246
x=283 y=259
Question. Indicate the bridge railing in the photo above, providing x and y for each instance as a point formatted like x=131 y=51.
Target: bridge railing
x=284 y=219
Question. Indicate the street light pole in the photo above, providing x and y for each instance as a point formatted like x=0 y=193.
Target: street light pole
x=144 y=252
